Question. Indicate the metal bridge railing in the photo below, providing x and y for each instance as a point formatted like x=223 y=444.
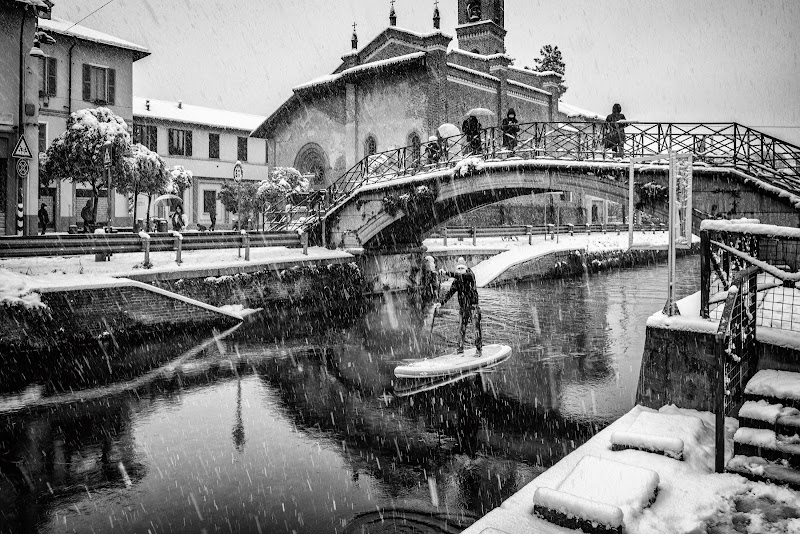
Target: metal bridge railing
x=731 y=145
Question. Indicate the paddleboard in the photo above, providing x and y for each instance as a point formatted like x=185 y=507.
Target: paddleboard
x=454 y=363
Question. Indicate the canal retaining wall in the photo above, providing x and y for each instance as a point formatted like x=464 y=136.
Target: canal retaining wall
x=92 y=311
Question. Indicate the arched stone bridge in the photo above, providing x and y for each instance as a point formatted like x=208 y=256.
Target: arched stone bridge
x=394 y=197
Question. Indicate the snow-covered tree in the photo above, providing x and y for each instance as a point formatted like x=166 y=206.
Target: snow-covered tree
x=551 y=60
x=180 y=180
x=274 y=192
x=232 y=192
x=77 y=154
x=142 y=172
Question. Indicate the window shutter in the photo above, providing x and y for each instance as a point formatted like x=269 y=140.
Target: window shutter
x=153 y=138
x=112 y=86
x=188 y=142
x=87 y=83
x=51 y=76
x=171 y=141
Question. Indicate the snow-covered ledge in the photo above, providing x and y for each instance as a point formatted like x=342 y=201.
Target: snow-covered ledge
x=689 y=319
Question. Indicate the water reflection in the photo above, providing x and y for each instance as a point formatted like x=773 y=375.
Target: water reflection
x=289 y=425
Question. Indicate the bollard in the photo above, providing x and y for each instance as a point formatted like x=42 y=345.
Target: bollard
x=571 y=229
x=654 y=228
x=444 y=235
x=604 y=228
x=663 y=227
x=474 y=237
x=146 y=246
x=529 y=231
x=550 y=231
x=178 y=247
x=588 y=229
x=618 y=228
x=246 y=239
x=304 y=242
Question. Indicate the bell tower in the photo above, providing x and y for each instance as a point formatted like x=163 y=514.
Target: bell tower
x=481 y=26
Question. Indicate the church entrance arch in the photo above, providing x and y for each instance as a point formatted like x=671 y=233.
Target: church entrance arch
x=311 y=159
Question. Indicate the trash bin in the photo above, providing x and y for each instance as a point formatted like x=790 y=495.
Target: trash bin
x=162 y=225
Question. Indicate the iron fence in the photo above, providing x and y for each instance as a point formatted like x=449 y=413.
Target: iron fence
x=724 y=254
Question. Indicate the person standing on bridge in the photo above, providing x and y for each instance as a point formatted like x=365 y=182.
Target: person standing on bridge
x=464 y=284
x=471 y=128
x=615 y=131
x=510 y=127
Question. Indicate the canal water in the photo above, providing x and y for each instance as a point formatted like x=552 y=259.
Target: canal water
x=287 y=425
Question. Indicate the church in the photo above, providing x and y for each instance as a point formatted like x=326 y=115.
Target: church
x=397 y=89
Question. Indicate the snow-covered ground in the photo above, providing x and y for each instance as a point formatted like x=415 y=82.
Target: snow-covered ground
x=691 y=497
x=128 y=264
x=520 y=251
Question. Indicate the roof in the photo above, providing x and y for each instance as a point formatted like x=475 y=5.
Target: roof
x=359 y=69
x=480 y=57
x=537 y=73
x=189 y=114
x=574 y=111
x=34 y=3
x=65 y=27
x=416 y=37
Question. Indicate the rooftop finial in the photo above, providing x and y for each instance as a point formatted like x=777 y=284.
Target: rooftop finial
x=436 y=18
x=392 y=15
x=354 y=38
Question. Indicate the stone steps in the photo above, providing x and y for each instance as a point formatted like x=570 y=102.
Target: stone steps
x=766 y=446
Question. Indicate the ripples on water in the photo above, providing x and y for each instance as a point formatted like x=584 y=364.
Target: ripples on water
x=285 y=426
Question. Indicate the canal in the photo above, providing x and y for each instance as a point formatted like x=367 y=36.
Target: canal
x=288 y=425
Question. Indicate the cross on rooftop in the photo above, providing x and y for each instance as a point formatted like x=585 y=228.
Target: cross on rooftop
x=354 y=27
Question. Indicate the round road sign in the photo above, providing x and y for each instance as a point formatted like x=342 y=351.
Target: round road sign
x=238 y=172
x=22 y=168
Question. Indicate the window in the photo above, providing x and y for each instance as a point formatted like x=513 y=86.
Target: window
x=241 y=149
x=266 y=151
x=180 y=142
x=213 y=146
x=47 y=78
x=42 y=136
x=99 y=84
x=146 y=135
x=209 y=201
x=370 y=146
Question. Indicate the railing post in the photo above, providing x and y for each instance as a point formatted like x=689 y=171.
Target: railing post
x=474 y=237
x=304 y=242
x=603 y=228
x=444 y=235
x=529 y=231
x=705 y=272
x=618 y=228
x=588 y=229
x=550 y=231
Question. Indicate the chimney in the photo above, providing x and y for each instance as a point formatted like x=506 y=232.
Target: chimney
x=147 y=104
x=180 y=104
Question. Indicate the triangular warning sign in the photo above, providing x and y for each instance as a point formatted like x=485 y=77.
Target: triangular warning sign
x=22 y=150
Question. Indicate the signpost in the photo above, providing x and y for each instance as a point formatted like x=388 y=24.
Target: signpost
x=238 y=174
x=23 y=153
x=680 y=212
x=107 y=170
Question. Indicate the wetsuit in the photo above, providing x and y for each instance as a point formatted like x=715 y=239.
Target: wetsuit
x=464 y=285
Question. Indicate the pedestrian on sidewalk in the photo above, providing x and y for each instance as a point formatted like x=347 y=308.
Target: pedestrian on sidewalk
x=615 y=131
x=177 y=219
x=212 y=214
x=87 y=214
x=44 y=218
x=464 y=284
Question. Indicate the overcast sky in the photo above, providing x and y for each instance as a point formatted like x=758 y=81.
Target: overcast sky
x=683 y=60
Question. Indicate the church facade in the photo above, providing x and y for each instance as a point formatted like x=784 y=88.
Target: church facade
x=400 y=87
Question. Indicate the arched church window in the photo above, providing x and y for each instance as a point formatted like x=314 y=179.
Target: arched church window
x=415 y=146
x=370 y=146
x=311 y=159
